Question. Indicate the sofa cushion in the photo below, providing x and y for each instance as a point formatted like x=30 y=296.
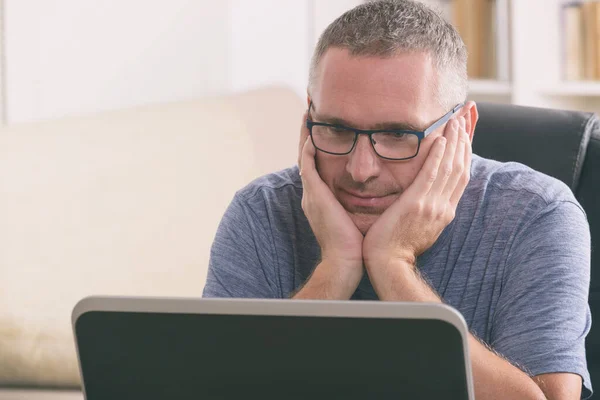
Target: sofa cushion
x=121 y=203
x=33 y=394
x=34 y=353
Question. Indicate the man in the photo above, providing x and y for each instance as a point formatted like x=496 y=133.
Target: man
x=389 y=203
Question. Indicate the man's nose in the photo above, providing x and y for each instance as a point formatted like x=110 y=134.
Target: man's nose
x=363 y=163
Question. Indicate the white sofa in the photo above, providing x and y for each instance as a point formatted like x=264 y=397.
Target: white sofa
x=123 y=202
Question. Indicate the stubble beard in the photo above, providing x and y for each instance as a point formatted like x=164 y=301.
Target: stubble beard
x=363 y=221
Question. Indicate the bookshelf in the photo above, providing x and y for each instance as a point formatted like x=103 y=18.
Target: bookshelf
x=490 y=87
x=533 y=50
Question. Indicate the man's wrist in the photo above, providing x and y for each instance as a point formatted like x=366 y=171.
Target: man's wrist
x=399 y=280
x=402 y=258
x=331 y=281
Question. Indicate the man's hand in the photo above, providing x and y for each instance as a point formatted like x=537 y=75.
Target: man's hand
x=414 y=222
x=341 y=267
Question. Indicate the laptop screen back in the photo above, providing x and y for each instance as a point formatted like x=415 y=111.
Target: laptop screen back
x=137 y=355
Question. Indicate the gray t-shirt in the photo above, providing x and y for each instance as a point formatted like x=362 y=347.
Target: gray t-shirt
x=515 y=261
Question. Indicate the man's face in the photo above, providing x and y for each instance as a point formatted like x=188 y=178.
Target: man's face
x=373 y=93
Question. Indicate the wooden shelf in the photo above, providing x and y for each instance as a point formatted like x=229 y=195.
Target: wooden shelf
x=581 y=88
x=489 y=87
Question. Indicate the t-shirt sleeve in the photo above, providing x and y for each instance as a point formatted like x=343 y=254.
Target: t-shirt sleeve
x=543 y=317
x=242 y=257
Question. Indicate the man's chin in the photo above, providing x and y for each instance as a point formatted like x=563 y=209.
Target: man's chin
x=363 y=221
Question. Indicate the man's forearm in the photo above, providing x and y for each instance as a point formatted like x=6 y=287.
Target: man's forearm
x=329 y=282
x=494 y=377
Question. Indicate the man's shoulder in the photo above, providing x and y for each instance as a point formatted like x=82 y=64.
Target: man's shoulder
x=516 y=179
x=277 y=186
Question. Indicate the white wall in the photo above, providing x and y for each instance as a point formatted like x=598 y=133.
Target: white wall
x=78 y=56
x=69 y=57
x=2 y=69
x=270 y=44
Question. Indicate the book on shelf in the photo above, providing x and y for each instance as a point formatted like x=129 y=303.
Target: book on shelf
x=580 y=25
x=484 y=28
x=589 y=38
x=596 y=38
x=574 y=67
x=502 y=49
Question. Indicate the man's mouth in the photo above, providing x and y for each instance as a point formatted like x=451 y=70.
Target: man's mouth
x=370 y=203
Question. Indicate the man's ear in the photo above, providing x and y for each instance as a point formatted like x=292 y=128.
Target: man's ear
x=308 y=100
x=471 y=115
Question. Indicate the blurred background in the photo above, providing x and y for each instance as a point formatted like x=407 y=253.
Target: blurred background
x=69 y=57
x=126 y=127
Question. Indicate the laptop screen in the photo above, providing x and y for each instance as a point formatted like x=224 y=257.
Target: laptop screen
x=135 y=355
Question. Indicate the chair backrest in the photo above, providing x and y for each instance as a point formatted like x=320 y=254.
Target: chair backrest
x=562 y=144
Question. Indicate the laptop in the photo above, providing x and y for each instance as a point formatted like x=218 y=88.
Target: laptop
x=226 y=349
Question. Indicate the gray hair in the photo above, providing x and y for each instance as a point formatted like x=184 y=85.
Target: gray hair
x=384 y=28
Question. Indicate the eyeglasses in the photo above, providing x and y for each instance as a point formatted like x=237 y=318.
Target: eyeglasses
x=390 y=144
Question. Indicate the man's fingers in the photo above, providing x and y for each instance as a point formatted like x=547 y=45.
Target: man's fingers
x=466 y=175
x=429 y=172
x=303 y=135
x=447 y=166
x=308 y=170
x=458 y=161
x=314 y=189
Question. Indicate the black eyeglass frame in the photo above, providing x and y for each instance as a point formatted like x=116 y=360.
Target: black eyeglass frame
x=420 y=134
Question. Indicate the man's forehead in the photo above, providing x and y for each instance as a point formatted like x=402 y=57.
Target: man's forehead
x=368 y=90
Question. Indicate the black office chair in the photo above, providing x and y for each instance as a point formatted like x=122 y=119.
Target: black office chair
x=562 y=144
